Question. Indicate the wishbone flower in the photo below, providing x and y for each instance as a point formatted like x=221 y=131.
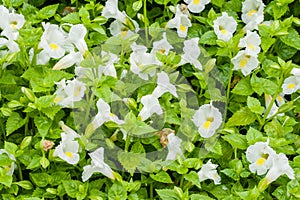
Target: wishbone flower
x=76 y=36
x=173 y=145
x=245 y=62
x=208 y=119
x=150 y=106
x=260 y=155
x=164 y=85
x=208 y=171
x=225 y=26
x=251 y=42
x=196 y=6
x=252 y=13
x=97 y=165
x=9 y=169
x=191 y=53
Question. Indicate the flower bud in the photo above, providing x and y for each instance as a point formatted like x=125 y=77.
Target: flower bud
x=29 y=94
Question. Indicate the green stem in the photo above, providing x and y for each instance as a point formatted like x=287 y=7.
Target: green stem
x=181 y=181
x=271 y=103
x=127 y=142
x=20 y=171
x=146 y=22
x=228 y=90
x=151 y=190
x=88 y=110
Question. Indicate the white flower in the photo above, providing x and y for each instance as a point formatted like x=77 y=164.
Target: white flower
x=9 y=168
x=68 y=147
x=296 y=72
x=245 y=62
x=118 y=28
x=280 y=100
x=173 y=146
x=280 y=166
x=150 y=106
x=68 y=60
x=69 y=92
x=76 y=36
x=291 y=85
x=109 y=69
x=52 y=42
x=224 y=27
x=97 y=165
x=162 y=46
x=10 y=44
x=164 y=85
x=252 y=13
x=191 y=53
x=260 y=156
x=208 y=119
x=196 y=6
x=251 y=41
x=274 y=107
x=208 y=171
x=111 y=10
x=181 y=22
x=142 y=63
x=104 y=115
x=10 y=21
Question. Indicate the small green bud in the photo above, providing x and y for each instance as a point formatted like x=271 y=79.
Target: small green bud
x=29 y=94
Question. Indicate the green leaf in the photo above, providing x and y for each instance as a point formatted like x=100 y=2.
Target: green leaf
x=209 y=38
x=200 y=196
x=292 y=39
x=25 y=142
x=231 y=173
x=162 y=177
x=14 y=122
x=40 y=179
x=117 y=191
x=136 y=6
x=75 y=189
x=129 y=160
x=242 y=117
x=236 y=140
x=271 y=68
x=10 y=147
x=47 y=12
x=193 y=178
x=167 y=194
x=72 y=18
x=254 y=105
x=243 y=87
x=6 y=180
x=43 y=125
x=24 y=184
x=253 y=136
x=262 y=85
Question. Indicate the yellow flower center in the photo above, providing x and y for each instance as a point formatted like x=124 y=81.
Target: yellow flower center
x=77 y=91
x=251 y=46
x=291 y=85
x=53 y=46
x=58 y=99
x=69 y=154
x=7 y=168
x=251 y=12
x=162 y=51
x=182 y=28
x=280 y=99
x=111 y=114
x=196 y=2
x=208 y=122
x=260 y=161
x=13 y=24
x=222 y=30
x=244 y=61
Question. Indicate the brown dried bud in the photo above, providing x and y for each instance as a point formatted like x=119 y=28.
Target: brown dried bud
x=163 y=134
x=47 y=145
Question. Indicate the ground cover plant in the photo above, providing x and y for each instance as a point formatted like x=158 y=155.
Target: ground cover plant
x=149 y=99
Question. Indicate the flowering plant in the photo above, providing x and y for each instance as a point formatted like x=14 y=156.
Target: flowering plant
x=142 y=99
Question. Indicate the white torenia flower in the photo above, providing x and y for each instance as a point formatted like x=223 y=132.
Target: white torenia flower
x=104 y=115
x=162 y=46
x=181 y=22
x=118 y=28
x=252 y=13
x=97 y=165
x=142 y=63
x=196 y=6
x=208 y=119
x=274 y=109
x=68 y=60
x=296 y=72
x=69 y=146
x=245 y=62
x=10 y=21
x=76 y=36
x=280 y=166
x=9 y=169
x=173 y=145
x=208 y=171
x=150 y=106
x=69 y=92
x=111 y=10
x=109 y=69
x=225 y=26
x=251 y=42
x=164 y=85
x=291 y=85
x=191 y=53
x=52 y=42
x=260 y=155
